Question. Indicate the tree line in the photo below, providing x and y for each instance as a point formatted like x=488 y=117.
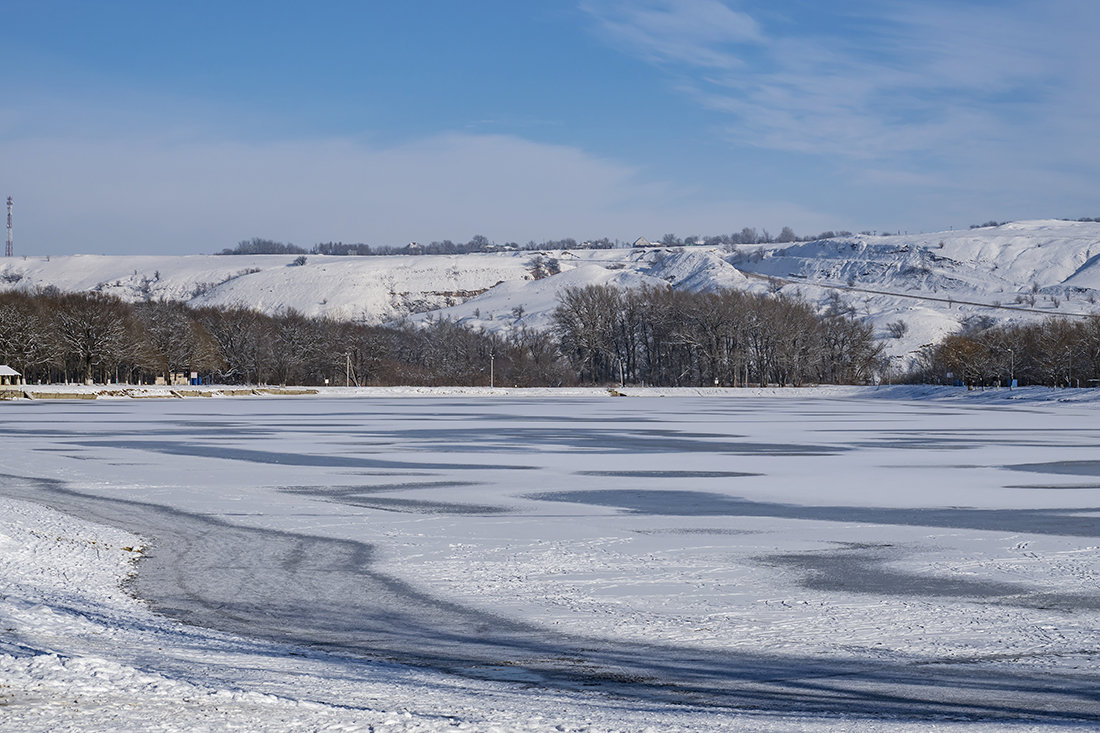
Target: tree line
x=652 y=336
x=664 y=337
x=481 y=243
x=1057 y=352
x=655 y=336
x=51 y=336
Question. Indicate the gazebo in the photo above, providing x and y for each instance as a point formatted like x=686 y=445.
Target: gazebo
x=9 y=377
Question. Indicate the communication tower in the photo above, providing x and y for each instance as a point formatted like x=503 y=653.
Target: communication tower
x=10 y=251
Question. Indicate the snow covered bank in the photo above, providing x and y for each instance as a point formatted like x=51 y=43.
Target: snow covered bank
x=79 y=653
x=1038 y=395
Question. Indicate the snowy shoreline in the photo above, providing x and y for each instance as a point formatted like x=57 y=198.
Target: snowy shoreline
x=918 y=392
x=79 y=652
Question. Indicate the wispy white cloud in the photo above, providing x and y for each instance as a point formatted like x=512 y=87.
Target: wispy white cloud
x=967 y=83
x=696 y=32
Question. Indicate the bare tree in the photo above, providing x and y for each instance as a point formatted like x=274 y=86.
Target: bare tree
x=93 y=334
x=897 y=329
x=585 y=320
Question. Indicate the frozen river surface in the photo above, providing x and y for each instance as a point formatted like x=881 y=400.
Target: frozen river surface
x=693 y=562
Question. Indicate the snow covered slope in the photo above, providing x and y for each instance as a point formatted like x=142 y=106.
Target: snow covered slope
x=1056 y=256
x=934 y=283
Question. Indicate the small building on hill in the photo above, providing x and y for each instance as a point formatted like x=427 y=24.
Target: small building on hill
x=9 y=377
x=643 y=242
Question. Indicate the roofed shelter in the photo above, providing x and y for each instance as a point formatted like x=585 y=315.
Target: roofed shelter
x=9 y=377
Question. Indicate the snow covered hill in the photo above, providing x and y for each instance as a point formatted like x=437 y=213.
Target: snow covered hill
x=933 y=283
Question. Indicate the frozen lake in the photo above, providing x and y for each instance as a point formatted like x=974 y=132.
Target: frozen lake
x=874 y=559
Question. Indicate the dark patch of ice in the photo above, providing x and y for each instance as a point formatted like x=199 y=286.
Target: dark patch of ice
x=1055 y=487
x=338 y=491
x=699 y=530
x=1072 y=522
x=1069 y=468
x=670 y=474
x=603 y=440
x=365 y=496
x=417 y=506
x=287 y=459
x=861 y=568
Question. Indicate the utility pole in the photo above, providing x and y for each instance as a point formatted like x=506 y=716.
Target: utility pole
x=347 y=369
x=11 y=242
x=491 y=368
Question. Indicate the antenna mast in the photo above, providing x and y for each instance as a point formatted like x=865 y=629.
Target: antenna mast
x=10 y=251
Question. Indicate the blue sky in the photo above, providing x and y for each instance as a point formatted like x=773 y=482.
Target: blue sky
x=130 y=127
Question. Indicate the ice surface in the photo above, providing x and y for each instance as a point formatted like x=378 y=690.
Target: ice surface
x=813 y=562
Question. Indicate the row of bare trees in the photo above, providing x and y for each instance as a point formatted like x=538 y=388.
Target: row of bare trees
x=1055 y=352
x=52 y=336
x=655 y=336
x=665 y=337
x=481 y=243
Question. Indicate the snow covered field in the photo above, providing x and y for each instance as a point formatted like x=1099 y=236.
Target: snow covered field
x=835 y=560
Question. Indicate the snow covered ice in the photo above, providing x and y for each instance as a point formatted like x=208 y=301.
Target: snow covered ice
x=796 y=559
